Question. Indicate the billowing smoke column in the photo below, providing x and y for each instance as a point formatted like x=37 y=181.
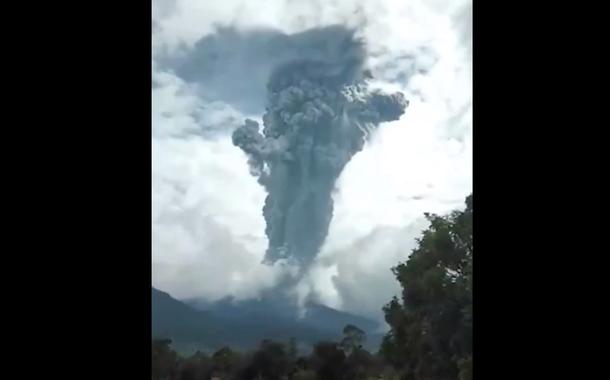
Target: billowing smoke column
x=319 y=114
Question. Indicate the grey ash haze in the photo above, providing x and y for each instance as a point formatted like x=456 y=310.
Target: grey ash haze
x=319 y=114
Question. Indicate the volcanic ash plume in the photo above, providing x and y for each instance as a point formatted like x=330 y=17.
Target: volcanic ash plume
x=319 y=115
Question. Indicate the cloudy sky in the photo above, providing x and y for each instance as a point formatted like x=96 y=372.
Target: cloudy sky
x=211 y=61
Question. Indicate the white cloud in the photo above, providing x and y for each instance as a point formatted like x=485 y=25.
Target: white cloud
x=208 y=230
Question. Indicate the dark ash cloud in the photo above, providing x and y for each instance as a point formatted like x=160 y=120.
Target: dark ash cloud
x=319 y=114
x=234 y=66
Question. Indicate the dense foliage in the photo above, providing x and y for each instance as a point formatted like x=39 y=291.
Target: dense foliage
x=431 y=329
x=271 y=361
x=430 y=335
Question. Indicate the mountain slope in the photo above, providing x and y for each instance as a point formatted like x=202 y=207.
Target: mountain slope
x=271 y=310
x=244 y=324
x=182 y=323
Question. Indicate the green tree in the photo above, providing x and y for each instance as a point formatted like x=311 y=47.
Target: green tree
x=293 y=350
x=164 y=359
x=360 y=365
x=353 y=338
x=431 y=326
x=271 y=361
x=328 y=361
x=197 y=367
x=225 y=361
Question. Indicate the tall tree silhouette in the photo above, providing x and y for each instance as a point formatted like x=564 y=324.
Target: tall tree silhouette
x=431 y=327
